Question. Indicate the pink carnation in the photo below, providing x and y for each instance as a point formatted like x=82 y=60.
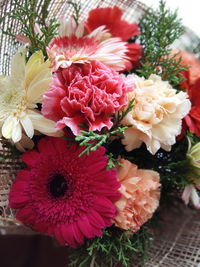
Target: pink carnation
x=86 y=94
x=70 y=199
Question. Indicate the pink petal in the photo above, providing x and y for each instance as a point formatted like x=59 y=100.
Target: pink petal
x=25 y=215
x=30 y=158
x=186 y=194
x=77 y=234
x=59 y=235
x=105 y=206
x=22 y=39
x=73 y=123
x=95 y=219
x=85 y=227
x=68 y=235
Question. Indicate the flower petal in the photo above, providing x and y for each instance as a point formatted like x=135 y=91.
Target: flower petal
x=17 y=132
x=32 y=67
x=38 y=86
x=43 y=125
x=28 y=126
x=7 y=128
x=18 y=67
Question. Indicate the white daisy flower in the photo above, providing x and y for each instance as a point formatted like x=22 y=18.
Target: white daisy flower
x=19 y=94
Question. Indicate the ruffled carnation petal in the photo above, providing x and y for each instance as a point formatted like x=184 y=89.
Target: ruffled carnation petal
x=139 y=196
x=88 y=94
x=157 y=114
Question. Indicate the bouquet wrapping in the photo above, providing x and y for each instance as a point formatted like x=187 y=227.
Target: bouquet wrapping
x=99 y=122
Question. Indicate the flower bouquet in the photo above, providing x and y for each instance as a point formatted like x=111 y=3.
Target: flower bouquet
x=101 y=120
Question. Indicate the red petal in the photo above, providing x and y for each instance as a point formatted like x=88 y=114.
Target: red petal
x=30 y=158
x=104 y=206
x=111 y=18
x=95 y=219
x=85 y=227
x=59 y=235
x=68 y=235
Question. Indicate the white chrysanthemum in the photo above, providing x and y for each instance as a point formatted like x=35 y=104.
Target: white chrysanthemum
x=157 y=114
x=19 y=95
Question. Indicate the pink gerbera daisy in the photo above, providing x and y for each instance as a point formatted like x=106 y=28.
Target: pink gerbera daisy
x=64 y=51
x=63 y=195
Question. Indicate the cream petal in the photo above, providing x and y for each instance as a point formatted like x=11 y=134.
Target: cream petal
x=131 y=139
x=36 y=91
x=7 y=127
x=17 y=133
x=44 y=125
x=80 y=30
x=166 y=147
x=18 y=67
x=34 y=65
x=43 y=74
x=153 y=146
x=28 y=126
x=165 y=132
x=4 y=83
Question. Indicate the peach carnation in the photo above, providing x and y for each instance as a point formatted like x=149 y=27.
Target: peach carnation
x=140 y=195
x=157 y=114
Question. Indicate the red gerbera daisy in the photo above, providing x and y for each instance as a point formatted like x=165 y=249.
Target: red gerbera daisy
x=112 y=19
x=63 y=195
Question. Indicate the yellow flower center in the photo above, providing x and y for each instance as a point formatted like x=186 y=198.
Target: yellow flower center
x=13 y=103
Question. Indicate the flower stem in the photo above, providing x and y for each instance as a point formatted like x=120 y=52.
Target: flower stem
x=93 y=261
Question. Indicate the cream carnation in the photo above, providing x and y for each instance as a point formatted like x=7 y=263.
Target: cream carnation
x=156 y=117
x=140 y=195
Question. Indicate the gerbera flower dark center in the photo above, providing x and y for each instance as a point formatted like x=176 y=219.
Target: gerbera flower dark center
x=58 y=186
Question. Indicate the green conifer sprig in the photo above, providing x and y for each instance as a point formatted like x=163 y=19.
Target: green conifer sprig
x=93 y=140
x=28 y=14
x=122 y=113
x=77 y=10
x=112 y=161
x=159 y=29
x=114 y=248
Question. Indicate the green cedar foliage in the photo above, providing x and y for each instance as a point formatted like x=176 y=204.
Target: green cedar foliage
x=114 y=248
x=92 y=140
x=29 y=13
x=159 y=29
